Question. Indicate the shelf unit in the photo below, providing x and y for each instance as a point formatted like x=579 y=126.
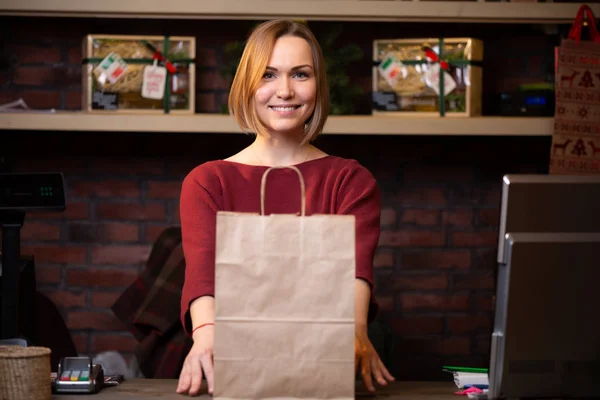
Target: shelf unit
x=331 y=10
x=217 y=123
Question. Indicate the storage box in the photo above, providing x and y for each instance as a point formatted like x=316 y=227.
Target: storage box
x=115 y=68
x=407 y=78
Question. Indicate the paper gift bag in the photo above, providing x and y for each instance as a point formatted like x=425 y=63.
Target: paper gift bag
x=284 y=304
x=576 y=138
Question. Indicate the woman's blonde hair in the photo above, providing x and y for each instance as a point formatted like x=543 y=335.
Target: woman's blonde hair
x=253 y=65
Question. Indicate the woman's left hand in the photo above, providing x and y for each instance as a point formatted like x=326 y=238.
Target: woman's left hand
x=367 y=359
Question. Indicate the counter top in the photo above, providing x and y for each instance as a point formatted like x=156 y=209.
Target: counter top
x=164 y=389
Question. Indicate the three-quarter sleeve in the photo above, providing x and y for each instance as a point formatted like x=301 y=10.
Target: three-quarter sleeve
x=359 y=195
x=198 y=210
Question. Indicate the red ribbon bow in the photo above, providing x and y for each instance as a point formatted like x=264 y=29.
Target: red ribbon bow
x=433 y=57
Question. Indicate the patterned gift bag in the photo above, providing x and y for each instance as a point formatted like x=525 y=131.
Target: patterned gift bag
x=576 y=140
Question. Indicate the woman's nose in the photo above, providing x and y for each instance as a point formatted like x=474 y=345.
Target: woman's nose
x=285 y=90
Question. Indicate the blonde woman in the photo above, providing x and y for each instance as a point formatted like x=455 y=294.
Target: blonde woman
x=279 y=93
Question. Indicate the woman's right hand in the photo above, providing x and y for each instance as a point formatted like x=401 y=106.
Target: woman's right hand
x=198 y=362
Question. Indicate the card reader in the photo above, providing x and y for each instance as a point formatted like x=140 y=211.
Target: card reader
x=78 y=375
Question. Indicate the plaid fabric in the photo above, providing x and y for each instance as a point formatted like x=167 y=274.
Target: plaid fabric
x=149 y=308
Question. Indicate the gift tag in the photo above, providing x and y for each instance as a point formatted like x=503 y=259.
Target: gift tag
x=153 y=86
x=111 y=69
x=390 y=69
x=432 y=79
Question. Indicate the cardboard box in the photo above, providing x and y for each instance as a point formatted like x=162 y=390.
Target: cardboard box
x=407 y=78
x=115 y=68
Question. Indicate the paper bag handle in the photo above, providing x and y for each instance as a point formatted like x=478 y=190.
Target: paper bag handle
x=263 y=187
x=575 y=32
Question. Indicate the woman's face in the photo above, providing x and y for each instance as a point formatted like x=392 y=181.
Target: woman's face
x=286 y=97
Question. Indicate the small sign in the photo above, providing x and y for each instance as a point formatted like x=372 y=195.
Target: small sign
x=432 y=79
x=111 y=69
x=391 y=69
x=153 y=86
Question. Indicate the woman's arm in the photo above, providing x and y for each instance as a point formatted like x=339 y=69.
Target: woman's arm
x=202 y=311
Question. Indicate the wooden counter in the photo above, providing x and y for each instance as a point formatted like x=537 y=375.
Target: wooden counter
x=164 y=389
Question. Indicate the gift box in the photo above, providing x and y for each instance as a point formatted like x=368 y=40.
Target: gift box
x=436 y=76
x=139 y=74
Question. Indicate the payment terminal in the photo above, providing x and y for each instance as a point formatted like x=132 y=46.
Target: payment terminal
x=78 y=375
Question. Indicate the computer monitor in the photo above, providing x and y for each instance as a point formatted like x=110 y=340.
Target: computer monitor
x=546 y=333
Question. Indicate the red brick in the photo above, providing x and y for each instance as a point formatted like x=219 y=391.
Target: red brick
x=128 y=166
x=26 y=54
x=40 y=231
x=74 y=211
x=437 y=174
x=484 y=302
x=211 y=80
x=382 y=260
x=436 y=259
x=154 y=231
x=421 y=197
x=100 y=277
x=412 y=238
x=460 y=325
x=112 y=188
x=421 y=281
x=81 y=342
x=483 y=346
x=66 y=299
x=207 y=57
x=489 y=217
x=418 y=326
x=53 y=76
x=388 y=217
x=453 y=346
x=486 y=259
x=46 y=275
x=73 y=100
x=101 y=321
x=176 y=213
x=105 y=299
x=102 y=233
x=420 y=217
x=437 y=302
x=386 y=303
x=125 y=211
x=36 y=99
x=164 y=190
x=206 y=103
x=182 y=166
x=473 y=281
x=119 y=255
x=457 y=217
x=120 y=343
x=55 y=254
x=74 y=55
x=474 y=239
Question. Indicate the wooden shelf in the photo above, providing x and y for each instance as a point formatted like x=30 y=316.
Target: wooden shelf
x=332 y=10
x=217 y=123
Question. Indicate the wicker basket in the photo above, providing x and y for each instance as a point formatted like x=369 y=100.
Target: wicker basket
x=25 y=373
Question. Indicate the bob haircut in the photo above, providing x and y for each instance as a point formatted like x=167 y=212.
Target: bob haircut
x=252 y=67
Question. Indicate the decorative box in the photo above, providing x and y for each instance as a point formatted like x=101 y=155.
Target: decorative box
x=139 y=74
x=408 y=78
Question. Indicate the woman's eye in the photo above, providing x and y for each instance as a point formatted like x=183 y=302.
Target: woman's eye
x=268 y=75
x=302 y=75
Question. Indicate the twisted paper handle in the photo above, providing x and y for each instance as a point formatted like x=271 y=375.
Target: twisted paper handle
x=263 y=187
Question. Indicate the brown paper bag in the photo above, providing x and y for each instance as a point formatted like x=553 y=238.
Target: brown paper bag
x=284 y=304
x=576 y=139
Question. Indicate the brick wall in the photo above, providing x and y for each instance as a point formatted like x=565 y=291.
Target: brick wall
x=436 y=260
